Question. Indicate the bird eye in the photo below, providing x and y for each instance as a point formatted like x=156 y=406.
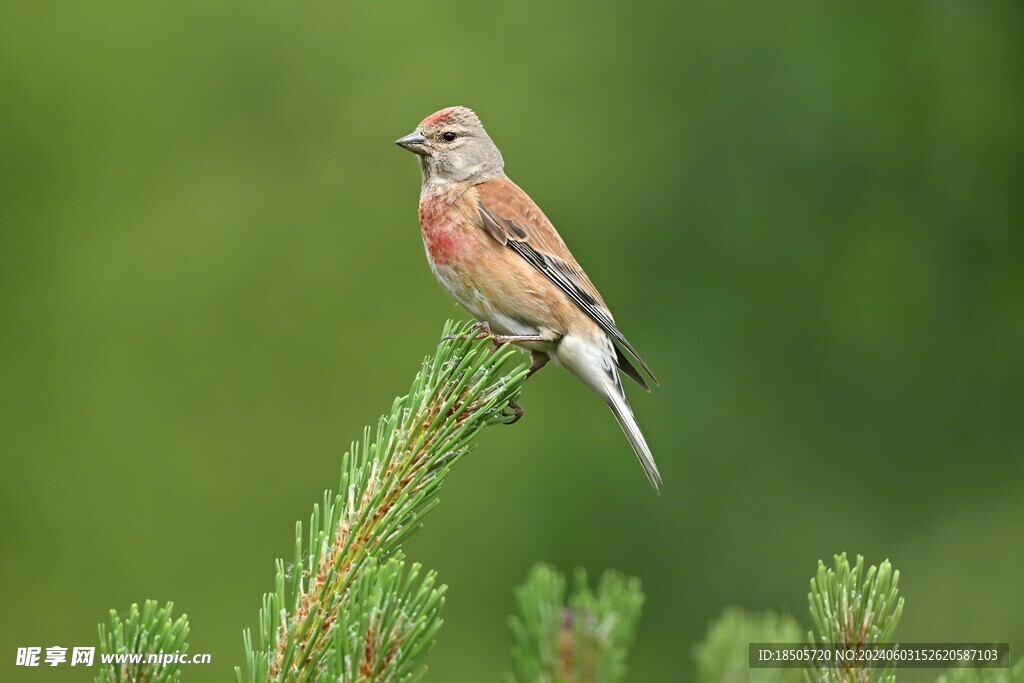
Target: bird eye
x=448 y=136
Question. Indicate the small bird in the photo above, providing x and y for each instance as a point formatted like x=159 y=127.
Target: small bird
x=496 y=252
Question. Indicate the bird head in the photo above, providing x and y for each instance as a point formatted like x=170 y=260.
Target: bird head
x=453 y=147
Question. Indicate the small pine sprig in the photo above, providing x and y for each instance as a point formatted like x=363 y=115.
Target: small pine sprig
x=854 y=609
x=387 y=624
x=584 y=640
x=724 y=655
x=150 y=631
x=388 y=483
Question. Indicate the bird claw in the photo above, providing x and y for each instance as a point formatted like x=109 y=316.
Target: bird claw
x=484 y=333
x=517 y=411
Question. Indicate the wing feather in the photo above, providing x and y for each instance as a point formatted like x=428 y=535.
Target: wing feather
x=509 y=216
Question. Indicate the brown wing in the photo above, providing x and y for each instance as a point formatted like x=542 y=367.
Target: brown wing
x=509 y=216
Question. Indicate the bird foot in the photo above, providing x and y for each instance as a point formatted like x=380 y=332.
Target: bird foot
x=484 y=331
x=517 y=412
x=500 y=339
x=481 y=325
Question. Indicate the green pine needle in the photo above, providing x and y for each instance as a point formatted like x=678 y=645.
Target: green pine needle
x=389 y=481
x=854 y=608
x=583 y=641
x=724 y=656
x=387 y=624
x=149 y=631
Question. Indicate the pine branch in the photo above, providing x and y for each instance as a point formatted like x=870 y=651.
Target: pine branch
x=584 y=641
x=387 y=624
x=854 y=609
x=724 y=655
x=388 y=483
x=151 y=631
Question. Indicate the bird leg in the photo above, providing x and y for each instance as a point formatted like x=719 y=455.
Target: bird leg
x=499 y=339
x=539 y=360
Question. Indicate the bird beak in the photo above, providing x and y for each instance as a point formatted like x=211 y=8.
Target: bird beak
x=414 y=142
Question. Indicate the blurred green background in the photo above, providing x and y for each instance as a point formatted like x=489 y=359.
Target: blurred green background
x=807 y=218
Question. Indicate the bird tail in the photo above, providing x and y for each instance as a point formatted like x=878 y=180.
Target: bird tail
x=624 y=414
x=593 y=361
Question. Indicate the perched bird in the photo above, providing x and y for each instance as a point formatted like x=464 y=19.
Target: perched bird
x=496 y=252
